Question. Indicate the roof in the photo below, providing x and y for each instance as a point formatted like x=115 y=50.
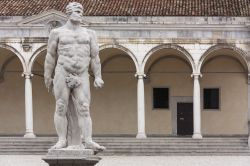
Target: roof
x=131 y=7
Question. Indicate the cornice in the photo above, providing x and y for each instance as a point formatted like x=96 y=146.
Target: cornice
x=139 y=27
x=106 y=40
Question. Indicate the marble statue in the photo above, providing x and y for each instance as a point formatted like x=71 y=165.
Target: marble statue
x=71 y=49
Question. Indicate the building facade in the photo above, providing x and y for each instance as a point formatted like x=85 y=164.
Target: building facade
x=165 y=74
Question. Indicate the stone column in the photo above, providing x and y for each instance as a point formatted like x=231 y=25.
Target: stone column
x=248 y=99
x=28 y=106
x=140 y=106
x=197 y=107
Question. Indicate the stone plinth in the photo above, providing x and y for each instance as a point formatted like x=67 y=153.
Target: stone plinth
x=71 y=157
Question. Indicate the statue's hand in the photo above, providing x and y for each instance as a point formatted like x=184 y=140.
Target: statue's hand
x=48 y=83
x=98 y=83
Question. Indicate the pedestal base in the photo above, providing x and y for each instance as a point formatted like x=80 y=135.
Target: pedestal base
x=141 y=136
x=65 y=157
x=29 y=135
x=197 y=136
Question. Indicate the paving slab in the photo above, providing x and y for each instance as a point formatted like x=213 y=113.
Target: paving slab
x=35 y=160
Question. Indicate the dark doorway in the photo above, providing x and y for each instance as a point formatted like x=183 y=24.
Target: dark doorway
x=184 y=118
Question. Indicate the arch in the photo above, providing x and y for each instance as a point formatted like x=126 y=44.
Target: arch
x=166 y=57
x=34 y=56
x=4 y=66
x=102 y=47
x=105 y=62
x=124 y=49
x=148 y=72
x=221 y=56
x=242 y=58
x=169 y=46
x=20 y=57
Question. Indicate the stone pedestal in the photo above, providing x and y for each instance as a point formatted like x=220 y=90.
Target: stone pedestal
x=71 y=157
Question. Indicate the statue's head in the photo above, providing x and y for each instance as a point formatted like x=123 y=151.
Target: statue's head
x=74 y=10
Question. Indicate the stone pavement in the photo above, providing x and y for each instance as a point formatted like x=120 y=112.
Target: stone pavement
x=35 y=160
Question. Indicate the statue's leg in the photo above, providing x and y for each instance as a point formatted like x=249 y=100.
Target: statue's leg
x=61 y=92
x=82 y=97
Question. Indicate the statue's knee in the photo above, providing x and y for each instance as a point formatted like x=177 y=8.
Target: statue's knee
x=83 y=109
x=61 y=107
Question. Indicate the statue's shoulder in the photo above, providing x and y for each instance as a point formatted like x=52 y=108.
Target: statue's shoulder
x=54 y=32
x=57 y=31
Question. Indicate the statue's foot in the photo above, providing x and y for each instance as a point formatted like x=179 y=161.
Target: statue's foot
x=94 y=146
x=60 y=144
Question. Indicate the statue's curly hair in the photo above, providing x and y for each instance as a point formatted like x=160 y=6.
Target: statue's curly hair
x=71 y=6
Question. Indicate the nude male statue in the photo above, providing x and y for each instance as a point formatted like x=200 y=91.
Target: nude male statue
x=71 y=49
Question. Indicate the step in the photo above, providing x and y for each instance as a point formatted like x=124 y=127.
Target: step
x=132 y=146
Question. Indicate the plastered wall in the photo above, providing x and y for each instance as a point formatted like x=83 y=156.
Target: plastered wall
x=228 y=75
x=12 y=112
x=114 y=107
x=174 y=74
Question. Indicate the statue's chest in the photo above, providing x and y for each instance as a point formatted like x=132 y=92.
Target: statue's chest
x=74 y=38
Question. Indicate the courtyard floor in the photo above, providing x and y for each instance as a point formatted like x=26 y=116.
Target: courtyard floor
x=35 y=160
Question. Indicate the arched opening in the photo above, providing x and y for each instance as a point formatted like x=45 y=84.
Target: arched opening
x=12 y=108
x=43 y=102
x=168 y=83
x=224 y=92
x=109 y=105
x=114 y=107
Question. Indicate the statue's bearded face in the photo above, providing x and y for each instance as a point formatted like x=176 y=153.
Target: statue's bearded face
x=76 y=15
x=74 y=10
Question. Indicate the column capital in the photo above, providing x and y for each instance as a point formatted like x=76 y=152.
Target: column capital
x=27 y=75
x=140 y=75
x=195 y=75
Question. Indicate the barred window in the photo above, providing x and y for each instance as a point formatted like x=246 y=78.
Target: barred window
x=211 y=98
x=160 y=98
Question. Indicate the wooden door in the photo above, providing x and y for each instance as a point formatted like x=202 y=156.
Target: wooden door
x=184 y=118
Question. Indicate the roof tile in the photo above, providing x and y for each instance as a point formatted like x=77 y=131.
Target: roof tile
x=131 y=7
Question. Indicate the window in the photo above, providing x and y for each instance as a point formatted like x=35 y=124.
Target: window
x=211 y=98
x=160 y=98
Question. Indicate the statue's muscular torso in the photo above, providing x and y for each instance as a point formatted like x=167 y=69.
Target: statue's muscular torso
x=73 y=49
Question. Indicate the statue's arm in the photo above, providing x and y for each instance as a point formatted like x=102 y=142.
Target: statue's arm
x=50 y=59
x=95 y=60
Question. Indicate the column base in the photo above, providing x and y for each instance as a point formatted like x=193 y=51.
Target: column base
x=197 y=136
x=29 y=135
x=141 y=136
x=249 y=141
